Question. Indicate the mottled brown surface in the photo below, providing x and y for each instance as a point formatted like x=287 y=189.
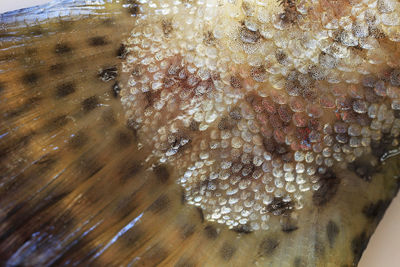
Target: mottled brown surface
x=74 y=179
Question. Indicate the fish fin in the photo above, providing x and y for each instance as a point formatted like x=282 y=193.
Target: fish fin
x=64 y=141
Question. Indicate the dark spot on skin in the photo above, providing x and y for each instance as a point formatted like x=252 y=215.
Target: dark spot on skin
x=226 y=124
x=131 y=237
x=371 y=96
x=161 y=204
x=153 y=256
x=45 y=163
x=396 y=113
x=305 y=80
x=176 y=72
x=30 y=78
x=108 y=74
x=36 y=30
x=129 y=170
x=56 y=123
x=276 y=123
x=332 y=231
x=150 y=98
x=14 y=210
x=137 y=71
x=177 y=143
x=108 y=22
x=201 y=214
x=249 y=37
x=293 y=87
x=337 y=35
x=242 y=229
x=31 y=52
x=358 y=245
x=256 y=101
x=274 y=148
x=211 y=232
x=329 y=184
x=285 y=113
x=183 y=262
x=281 y=57
x=169 y=82
x=183 y=197
x=287 y=228
x=14 y=144
x=253 y=99
x=247 y=170
x=122 y=52
x=116 y=89
x=259 y=74
x=187 y=230
x=161 y=173
x=97 y=41
x=379 y=148
x=62 y=49
x=375 y=211
x=235 y=114
x=344 y=103
x=88 y=165
x=288 y=225
x=227 y=251
x=290 y=13
x=314 y=124
x=65 y=89
x=395 y=77
x=123 y=139
x=376 y=33
x=299 y=262
x=369 y=81
x=342 y=138
x=361 y=119
x=90 y=103
x=268 y=246
x=8 y=57
x=363 y=168
x=78 y=140
x=25 y=107
x=194 y=126
x=65 y=25
x=57 y=68
x=167 y=27
x=316 y=73
x=287 y=157
x=209 y=38
x=133 y=7
x=357 y=48
x=279 y=207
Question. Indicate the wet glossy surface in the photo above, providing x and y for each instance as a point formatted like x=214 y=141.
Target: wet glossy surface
x=123 y=229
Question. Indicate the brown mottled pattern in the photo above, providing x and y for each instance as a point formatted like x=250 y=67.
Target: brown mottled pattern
x=77 y=185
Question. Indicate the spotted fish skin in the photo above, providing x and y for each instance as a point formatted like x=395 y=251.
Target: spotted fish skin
x=197 y=133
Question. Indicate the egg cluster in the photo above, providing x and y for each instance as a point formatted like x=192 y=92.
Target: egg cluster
x=254 y=100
